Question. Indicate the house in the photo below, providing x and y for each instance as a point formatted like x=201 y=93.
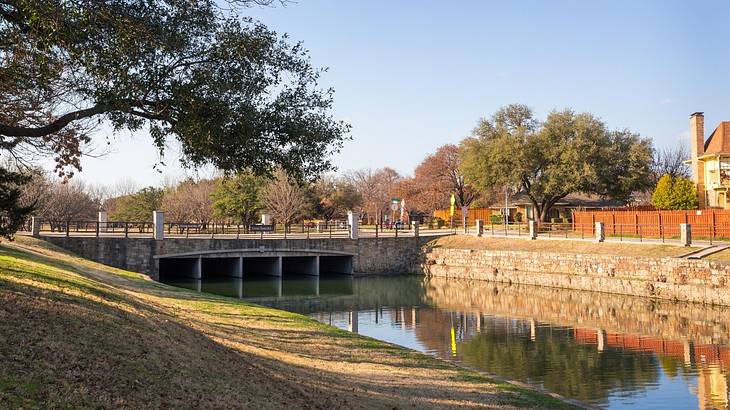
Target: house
x=563 y=209
x=710 y=162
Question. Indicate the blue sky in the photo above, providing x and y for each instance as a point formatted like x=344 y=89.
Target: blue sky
x=411 y=76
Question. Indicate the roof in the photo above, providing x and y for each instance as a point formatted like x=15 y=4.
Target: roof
x=719 y=140
x=572 y=201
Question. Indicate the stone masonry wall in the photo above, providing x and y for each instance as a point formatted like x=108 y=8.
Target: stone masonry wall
x=370 y=255
x=700 y=281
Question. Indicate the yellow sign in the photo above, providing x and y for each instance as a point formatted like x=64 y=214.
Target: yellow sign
x=453 y=202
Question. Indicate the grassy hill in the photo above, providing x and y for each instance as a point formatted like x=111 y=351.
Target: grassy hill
x=77 y=334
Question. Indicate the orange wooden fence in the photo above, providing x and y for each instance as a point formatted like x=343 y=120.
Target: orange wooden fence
x=705 y=222
x=472 y=215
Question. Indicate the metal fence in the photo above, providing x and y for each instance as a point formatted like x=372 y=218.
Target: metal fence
x=303 y=230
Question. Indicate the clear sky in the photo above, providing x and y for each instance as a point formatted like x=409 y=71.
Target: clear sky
x=413 y=75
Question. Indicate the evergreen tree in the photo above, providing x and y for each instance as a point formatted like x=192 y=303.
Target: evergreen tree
x=674 y=193
x=12 y=212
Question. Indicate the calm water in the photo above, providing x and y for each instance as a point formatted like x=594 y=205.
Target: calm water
x=609 y=350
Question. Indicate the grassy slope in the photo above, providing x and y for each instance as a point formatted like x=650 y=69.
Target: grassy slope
x=78 y=334
x=560 y=246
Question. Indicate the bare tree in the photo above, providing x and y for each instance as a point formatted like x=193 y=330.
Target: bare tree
x=57 y=201
x=285 y=199
x=670 y=161
x=190 y=201
x=376 y=188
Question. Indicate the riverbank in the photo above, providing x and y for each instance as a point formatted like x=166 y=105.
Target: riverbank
x=649 y=270
x=74 y=333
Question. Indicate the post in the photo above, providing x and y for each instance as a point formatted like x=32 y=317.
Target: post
x=265 y=219
x=533 y=229
x=480 y=227
x=353 y=221
x=35 y=226
x=416 y=228
x=103 y=219
x=685 y=234
x=158 y=219
x=600 y=232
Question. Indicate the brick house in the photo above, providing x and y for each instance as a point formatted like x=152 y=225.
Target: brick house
x=710 y=162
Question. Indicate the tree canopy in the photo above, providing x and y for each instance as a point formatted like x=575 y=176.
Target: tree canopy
x=238 y=198
x=568 y=153
x=137 y=207
x=230 y=91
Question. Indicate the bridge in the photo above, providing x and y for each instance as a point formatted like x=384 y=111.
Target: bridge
x=238 y=263
x=348 y=249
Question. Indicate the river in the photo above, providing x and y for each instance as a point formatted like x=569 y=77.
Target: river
x=611 y=351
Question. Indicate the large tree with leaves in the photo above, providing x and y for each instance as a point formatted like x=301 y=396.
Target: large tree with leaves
x=239 y=198
x=568 y=153
x=229 y=91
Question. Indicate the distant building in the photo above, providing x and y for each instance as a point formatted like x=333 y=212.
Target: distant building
x=563 y=209
x=710 y=162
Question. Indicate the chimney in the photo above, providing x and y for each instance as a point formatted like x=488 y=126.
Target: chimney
x=697 y=137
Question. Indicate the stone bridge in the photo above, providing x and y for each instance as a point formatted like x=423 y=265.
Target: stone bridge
x=195 y=256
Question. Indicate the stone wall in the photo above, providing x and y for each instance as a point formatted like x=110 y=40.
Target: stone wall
x=370 y=255
x=700 y=281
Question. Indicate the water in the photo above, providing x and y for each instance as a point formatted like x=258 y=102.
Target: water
x=608 y=350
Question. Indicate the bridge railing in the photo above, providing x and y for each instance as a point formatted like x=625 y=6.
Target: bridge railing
x=146 y=229
x=332 y=229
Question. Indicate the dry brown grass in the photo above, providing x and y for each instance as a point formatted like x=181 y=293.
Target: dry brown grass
x=560 y=246
x=79 y=334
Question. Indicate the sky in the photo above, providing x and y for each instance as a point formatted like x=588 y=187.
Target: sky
x=411 y=76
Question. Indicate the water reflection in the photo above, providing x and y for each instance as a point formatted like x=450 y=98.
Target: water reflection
x=609 y=350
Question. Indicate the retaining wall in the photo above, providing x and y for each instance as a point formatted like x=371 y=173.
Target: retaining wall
x=700 y=281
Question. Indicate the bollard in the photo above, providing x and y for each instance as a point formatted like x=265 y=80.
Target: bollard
x=353 y=221
x=480 y=227
x=102 y=221
x=416 y=228
x=35 y=226
x=600 y=232
x=533 y=229
x=158 y=220
x=685 y=234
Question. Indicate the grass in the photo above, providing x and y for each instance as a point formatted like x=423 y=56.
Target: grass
x=76 y=334
x=560 y=246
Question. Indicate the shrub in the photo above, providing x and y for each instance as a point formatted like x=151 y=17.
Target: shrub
x=496 y=219
x=518 y=217
x=674 y=193
x=439 y=222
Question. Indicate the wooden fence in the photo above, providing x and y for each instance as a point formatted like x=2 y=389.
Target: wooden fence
x=705 y=223
x=472 y=215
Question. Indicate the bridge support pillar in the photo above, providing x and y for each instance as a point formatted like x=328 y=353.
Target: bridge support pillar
x=198 y=269
x=353 y=220
x=158 y=220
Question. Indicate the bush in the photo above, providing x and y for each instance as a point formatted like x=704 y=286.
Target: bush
x=518 y=217
x=674 y=193
x=439 y=222
x=496 y=219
